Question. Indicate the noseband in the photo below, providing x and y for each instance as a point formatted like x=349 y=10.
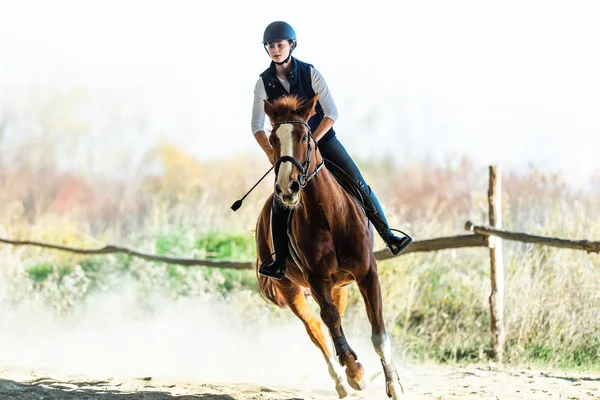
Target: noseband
x=303 y=178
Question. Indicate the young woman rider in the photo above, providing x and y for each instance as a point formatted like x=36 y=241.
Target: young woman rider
x=287 y=75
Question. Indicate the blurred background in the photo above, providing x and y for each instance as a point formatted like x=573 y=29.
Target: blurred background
x=129 y=123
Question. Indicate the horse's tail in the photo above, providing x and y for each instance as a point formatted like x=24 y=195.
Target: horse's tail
x=268 y=290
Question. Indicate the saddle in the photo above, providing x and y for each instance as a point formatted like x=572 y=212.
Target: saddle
x=351 y=187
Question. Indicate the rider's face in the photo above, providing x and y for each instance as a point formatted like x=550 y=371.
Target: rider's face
x=279 y=50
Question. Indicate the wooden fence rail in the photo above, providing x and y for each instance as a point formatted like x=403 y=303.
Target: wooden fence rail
x=442 y=243
x=587 y=245
x=482 y=236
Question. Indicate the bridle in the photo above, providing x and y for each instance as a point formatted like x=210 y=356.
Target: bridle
x=303 y=178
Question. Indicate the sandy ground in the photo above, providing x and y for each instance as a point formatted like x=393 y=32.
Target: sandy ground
x=423 y=381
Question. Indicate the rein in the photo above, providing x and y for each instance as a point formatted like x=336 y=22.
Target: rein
x=303 y=178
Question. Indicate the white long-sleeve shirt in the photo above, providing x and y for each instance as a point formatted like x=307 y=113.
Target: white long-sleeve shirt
x=319 y=86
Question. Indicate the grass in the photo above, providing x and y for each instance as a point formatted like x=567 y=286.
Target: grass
x=39 y=272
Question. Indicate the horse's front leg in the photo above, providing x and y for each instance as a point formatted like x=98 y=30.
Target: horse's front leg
x=295 y=299
x=322 y=291
x=371 y=293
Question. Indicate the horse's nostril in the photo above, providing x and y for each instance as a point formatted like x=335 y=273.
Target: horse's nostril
x=294 y=187
x=277 y=188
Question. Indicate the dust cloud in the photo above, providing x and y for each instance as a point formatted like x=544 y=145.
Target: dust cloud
x=129 y=334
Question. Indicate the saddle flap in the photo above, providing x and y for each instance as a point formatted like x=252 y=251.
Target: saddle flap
x=350 y=186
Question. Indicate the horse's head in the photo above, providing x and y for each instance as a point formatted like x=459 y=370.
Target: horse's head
x=292 y=144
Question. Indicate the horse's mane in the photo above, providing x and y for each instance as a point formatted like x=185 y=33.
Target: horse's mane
x=287 y=105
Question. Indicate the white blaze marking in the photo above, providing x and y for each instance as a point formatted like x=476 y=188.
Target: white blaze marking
x=284 y=133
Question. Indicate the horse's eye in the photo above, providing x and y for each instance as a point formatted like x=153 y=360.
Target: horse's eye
x=304 y=139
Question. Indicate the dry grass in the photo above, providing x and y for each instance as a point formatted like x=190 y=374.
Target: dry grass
x=436 y=302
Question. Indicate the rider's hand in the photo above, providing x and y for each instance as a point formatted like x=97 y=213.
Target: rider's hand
x=271 y=156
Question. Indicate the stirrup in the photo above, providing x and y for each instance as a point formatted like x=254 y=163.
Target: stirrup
x=274 y=269
x=396 y=244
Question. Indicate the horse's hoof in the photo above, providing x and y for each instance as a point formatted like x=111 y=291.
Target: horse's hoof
x=355 y=377
x=342 y=390
x=358 y=385
x=395 y=391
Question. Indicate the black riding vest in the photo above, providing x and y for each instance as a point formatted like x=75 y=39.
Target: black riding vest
x=300 y=80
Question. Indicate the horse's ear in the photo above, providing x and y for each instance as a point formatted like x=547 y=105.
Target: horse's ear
x=308 y=108
x=270 y=110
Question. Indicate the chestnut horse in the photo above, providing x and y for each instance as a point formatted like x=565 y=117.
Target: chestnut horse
x=330 y=243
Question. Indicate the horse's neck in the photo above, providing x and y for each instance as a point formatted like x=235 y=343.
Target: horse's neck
x=324 y=191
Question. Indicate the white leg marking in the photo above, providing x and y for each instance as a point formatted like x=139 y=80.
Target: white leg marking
x=383 y=347
x=284 y=134
x=336 y=372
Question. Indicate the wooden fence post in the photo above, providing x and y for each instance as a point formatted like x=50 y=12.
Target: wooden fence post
x=497 y=267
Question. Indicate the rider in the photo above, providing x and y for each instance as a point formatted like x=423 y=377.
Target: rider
x=288 y=75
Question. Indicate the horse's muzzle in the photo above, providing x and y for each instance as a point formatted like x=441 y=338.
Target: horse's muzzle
x=289 y=196
x=293 y=188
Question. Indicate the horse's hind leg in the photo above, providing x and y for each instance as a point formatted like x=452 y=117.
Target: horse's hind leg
x=329 y=301
x=371 y=292
x=297 y=302
x=340 y=299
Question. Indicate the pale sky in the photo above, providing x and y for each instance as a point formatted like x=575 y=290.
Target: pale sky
x=507 y=82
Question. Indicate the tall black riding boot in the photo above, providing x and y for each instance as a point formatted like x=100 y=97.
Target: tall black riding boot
x=279 y=219
x=377 y=217
x=333 y=151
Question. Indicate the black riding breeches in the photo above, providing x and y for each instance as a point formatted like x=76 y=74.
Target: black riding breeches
x=336 y=153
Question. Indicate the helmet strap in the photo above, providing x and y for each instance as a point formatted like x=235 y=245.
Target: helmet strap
x=284 y=61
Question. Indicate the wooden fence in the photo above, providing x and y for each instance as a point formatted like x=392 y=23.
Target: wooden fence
x=482 y=236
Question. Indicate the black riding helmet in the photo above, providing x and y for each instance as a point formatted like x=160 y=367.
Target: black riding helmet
x=279 y=30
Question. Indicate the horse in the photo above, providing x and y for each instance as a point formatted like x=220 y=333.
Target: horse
x=330 y=243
